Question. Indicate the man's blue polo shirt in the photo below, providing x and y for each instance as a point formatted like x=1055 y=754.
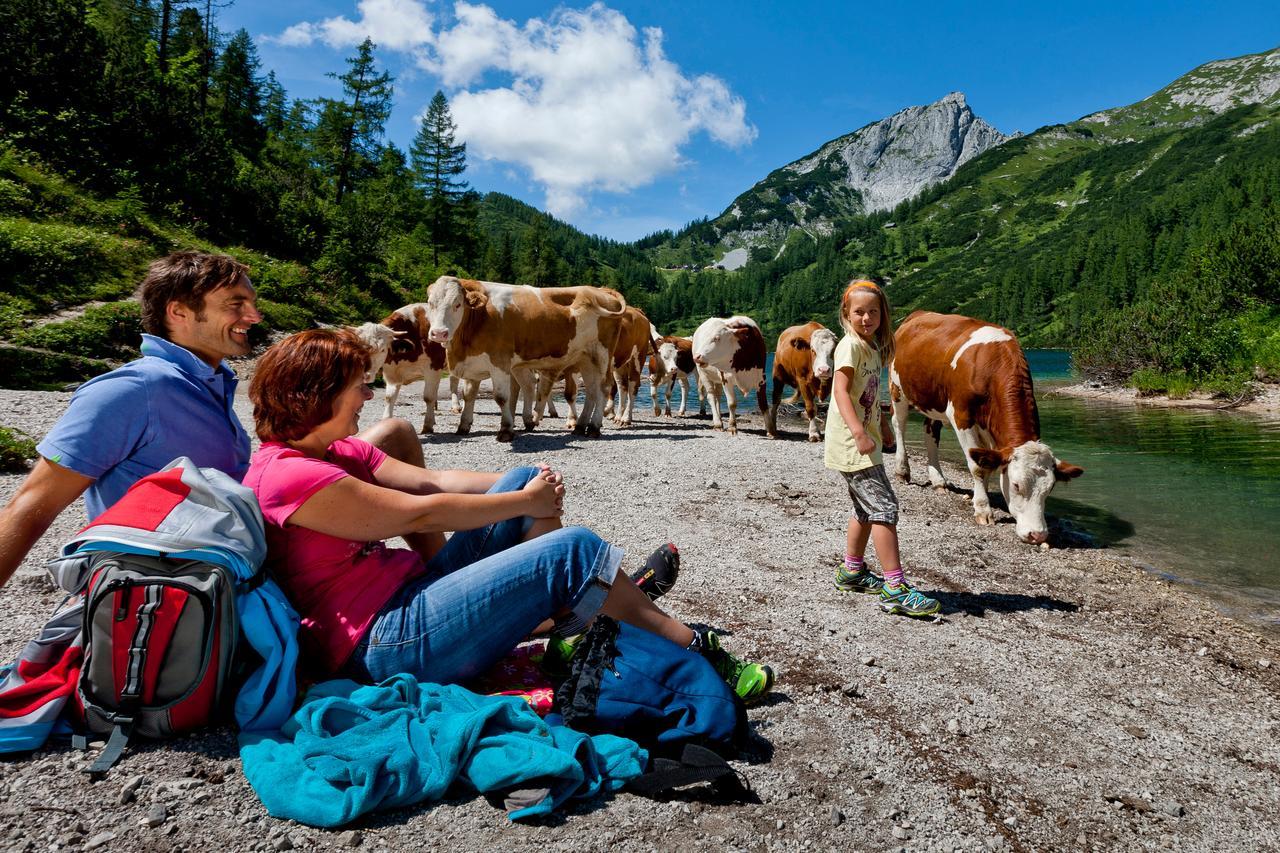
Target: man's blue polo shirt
x=134 y=420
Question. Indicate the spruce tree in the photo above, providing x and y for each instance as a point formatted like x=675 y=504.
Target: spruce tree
x=349 y=132
x=439 y=164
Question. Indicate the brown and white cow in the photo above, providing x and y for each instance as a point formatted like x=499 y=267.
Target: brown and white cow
x=507 y=332
x=400 y=347
x=976 y=376
x=633 y=345
x=730 y=354
x=671 y=363
x=803 y=361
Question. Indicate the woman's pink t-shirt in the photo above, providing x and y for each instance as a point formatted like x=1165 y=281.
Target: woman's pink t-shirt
x=337 y=585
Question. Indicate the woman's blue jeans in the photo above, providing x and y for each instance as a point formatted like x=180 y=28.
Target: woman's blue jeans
x=483 y=593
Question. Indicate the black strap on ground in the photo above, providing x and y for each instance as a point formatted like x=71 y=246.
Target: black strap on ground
x=696 y=764
x=111 y=753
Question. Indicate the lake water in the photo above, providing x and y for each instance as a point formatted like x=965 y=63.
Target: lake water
x=1193 y=494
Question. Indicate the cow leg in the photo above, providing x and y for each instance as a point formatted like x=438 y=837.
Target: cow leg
x=731 y=400
x=969 y=440
x=546 y=382
x=593 y=386
x=455 y=406
x=430 y=390
x=389 y=396
x=571 y=400
x=932 y=435
x=504 y=391
x=771 y=419
x=522 y=386
x=898 y=401
x=469 y=387
x=807 y=394
x=712 y=392
x=608 y=397
x=684 y=394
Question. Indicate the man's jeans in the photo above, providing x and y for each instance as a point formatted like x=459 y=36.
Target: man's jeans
x=483 y=593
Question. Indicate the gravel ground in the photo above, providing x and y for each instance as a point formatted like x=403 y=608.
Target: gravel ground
x=1067 y=699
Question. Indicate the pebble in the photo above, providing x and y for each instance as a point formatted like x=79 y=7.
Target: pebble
x=100 y=840
x=953 y=726
x=129 y=790
x=351 y=838
x=284 y=842
x=1265 y=663
x=900 y=833
x=712 y=484
x=868 y=661
x=1173 y=809
x=781 y=823
x=850 y=690
x=1204 y=650
x=837 y=816
x=1044 y=546
x=158 y=815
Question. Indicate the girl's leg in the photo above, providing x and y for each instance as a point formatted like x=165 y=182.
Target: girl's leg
x=856 y=538
x=885 y=537
x=627 y=603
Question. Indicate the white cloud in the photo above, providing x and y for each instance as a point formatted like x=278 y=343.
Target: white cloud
x=402 y=25
x=589 y=104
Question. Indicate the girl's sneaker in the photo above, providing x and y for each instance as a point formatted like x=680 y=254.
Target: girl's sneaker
x=659 y=573
x=863 y=580
x=751 y=681
x=907 y=601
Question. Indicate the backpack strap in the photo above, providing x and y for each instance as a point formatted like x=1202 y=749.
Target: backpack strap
x=116 y=744
x=696 y=764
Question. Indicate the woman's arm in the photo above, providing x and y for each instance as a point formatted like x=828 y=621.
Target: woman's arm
x=394 y=474
x=353 y=509
x=844 y=403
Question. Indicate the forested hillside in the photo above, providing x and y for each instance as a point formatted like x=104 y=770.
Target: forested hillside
x=129 y=128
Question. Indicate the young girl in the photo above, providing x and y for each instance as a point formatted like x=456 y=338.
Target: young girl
x=854 y=438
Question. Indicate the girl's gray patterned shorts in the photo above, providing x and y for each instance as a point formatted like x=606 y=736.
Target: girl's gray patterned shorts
x=873 y=497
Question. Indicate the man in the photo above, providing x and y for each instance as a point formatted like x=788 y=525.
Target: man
x=176 y=400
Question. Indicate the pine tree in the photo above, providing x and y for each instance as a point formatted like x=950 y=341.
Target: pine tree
x=438 y=164
x=349 y=132
x=239 y=93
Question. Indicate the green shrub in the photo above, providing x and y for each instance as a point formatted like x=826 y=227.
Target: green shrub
x=103 y=331
x=48 y=263
x=16 y=450
x=45 y=371
x=284 y=318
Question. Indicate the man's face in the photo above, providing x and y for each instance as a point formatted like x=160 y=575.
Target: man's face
x=221 y=328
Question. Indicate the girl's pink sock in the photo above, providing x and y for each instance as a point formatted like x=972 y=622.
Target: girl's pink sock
x=894 y=576
x=854 y=564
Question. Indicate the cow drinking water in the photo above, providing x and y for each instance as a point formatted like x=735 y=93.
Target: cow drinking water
x=975 y=375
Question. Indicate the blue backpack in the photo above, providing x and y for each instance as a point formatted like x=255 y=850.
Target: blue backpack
x=630 y=682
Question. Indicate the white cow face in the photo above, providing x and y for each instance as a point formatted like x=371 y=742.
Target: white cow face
x=667 y=353
x=823 y=342
x=446 y=300
x=714 y=343
x=377 y=338
x=1029 y=474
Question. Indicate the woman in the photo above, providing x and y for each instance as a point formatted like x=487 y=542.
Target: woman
x=443 y=610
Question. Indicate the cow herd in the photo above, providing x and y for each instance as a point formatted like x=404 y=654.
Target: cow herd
x=526 y=339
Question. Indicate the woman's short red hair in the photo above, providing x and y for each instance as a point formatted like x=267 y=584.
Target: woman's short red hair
x=298 y=379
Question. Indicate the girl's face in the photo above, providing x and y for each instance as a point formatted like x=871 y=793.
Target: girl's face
x=864 y=313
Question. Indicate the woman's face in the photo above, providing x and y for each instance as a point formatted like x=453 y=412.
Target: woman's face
x=346 y=409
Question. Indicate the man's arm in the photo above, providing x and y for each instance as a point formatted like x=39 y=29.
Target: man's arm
x=47 y=491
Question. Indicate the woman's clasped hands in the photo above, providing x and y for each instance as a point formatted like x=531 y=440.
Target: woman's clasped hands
x=546 y=493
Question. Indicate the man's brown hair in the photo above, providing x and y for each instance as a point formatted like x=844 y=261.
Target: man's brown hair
x=298 y=379
x=184 y=277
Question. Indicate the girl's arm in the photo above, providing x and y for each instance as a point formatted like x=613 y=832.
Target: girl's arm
x=394 y=474
x=364 y=512
x=844 y=403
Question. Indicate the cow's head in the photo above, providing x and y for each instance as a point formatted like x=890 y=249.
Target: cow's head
x=716 y=340
x=448 y=299
x=823 y=342
x=667 y=354
x=1028 y=474
x=379 y=339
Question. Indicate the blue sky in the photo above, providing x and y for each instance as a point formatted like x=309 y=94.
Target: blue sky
x=627 y=117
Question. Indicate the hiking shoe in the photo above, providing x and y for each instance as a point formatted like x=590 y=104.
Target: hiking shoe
x=907 y=601
x=659 y=572
x=751 y=681
x=558 y=657
x=863 y=580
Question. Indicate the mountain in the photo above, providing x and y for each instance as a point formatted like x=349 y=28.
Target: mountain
x=872 y=169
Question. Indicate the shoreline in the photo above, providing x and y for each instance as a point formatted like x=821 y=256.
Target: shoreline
x=1266 y=403
x=1060 y=703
